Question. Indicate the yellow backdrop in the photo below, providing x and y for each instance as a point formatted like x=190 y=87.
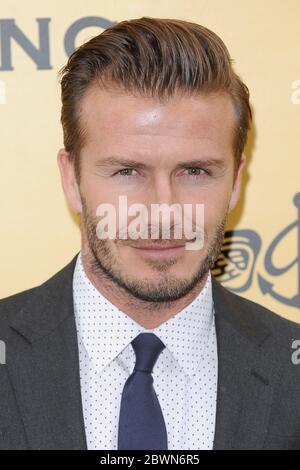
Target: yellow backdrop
x=39 y=234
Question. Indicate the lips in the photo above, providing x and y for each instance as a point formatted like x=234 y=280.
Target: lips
x=156 y=246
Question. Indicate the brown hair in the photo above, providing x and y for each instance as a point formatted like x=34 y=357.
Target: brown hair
x=154 y=57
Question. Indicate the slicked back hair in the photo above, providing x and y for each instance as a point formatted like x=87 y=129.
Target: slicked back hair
x=151 y=57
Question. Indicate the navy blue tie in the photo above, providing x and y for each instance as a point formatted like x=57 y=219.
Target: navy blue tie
x=141 y=423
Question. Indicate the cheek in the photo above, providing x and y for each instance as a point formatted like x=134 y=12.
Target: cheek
x=97 y=194
x=215 y=210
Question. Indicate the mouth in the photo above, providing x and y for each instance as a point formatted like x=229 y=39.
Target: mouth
x=159 y=250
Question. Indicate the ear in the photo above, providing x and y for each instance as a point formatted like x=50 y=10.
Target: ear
x=237 y=184
x=68 y=180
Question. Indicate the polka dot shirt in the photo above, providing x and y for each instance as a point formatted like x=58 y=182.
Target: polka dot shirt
x=185 y=374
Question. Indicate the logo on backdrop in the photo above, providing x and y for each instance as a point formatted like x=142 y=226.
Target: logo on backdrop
x=235 y=267
x=40 y=53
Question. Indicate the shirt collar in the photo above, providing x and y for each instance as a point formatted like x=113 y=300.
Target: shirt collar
x=106 y=331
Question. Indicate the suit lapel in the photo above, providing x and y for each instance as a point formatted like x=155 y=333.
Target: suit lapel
x=43 y=366
x=247 y=373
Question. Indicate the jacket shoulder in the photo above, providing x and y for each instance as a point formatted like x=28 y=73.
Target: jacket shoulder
x=11 y=305
x=254 y=314
x=273 y=319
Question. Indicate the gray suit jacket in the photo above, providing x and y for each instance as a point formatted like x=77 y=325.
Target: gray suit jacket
x=258 y=397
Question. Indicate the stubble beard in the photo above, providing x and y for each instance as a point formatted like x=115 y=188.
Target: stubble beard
x=164 y=289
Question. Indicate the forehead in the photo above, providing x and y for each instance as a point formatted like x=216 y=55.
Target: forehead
x=112 y=116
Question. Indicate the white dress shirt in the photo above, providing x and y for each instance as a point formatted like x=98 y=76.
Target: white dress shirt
x=185 y=374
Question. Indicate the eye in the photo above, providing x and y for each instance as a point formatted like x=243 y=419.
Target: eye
x=125 y=172
x=197 y=171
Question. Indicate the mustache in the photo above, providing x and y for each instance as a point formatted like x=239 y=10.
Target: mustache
x=160 y=233
x=161 y=240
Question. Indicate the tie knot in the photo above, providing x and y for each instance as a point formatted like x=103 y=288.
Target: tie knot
x=147 y=348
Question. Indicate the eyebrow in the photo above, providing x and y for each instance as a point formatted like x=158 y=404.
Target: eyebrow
x=129 y=163
x=116 y=161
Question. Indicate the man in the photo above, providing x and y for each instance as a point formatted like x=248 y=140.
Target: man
x=134 y=345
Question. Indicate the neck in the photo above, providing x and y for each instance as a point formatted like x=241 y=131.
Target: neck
x=150 y=315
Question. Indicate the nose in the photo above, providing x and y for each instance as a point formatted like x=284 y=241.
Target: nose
x=162 y=198
x=163 y=191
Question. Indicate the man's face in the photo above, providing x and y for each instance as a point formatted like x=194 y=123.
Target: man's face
x=141 y=149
